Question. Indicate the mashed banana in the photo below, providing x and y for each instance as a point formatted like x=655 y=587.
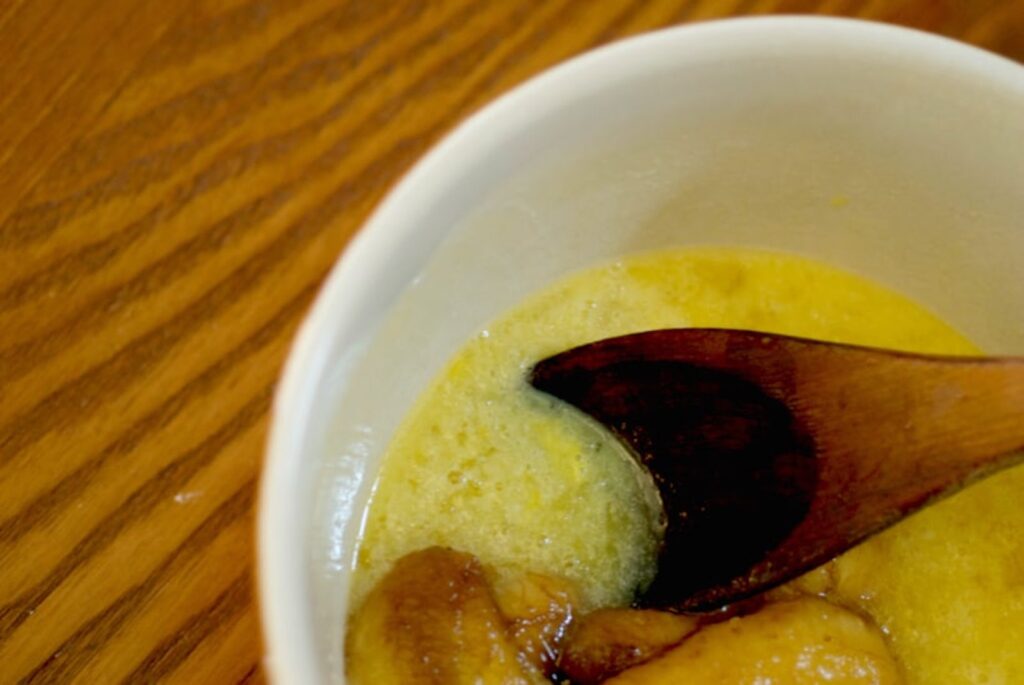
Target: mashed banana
x=487 y=466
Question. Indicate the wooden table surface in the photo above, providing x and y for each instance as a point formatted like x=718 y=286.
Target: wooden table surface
x=176 y=177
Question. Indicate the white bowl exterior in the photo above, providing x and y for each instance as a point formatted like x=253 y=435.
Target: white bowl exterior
x=890 y=152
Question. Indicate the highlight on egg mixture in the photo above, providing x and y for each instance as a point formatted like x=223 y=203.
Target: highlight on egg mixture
x=508 y=535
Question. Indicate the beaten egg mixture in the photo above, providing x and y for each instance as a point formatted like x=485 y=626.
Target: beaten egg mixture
x=488 y=466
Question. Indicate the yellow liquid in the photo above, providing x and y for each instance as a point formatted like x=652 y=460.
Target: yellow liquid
x=487 y=466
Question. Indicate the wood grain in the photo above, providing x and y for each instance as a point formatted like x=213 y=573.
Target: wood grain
x=175 y=180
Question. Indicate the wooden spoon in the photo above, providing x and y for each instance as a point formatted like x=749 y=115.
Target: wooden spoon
x=774 y=454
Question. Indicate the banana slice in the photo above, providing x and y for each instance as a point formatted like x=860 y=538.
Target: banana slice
x=432 y=621
x=539 y=609
x=607 y=641
x=801 y=642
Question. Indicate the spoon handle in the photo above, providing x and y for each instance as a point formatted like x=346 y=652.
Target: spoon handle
x=892 y=431
x=903 y=430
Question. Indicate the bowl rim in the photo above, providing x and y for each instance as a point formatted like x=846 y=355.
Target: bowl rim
x=285 y=618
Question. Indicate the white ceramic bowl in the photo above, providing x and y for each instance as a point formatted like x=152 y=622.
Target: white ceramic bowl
x=886 y=151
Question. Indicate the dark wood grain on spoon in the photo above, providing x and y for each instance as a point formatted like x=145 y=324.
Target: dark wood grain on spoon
x=773 y=454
